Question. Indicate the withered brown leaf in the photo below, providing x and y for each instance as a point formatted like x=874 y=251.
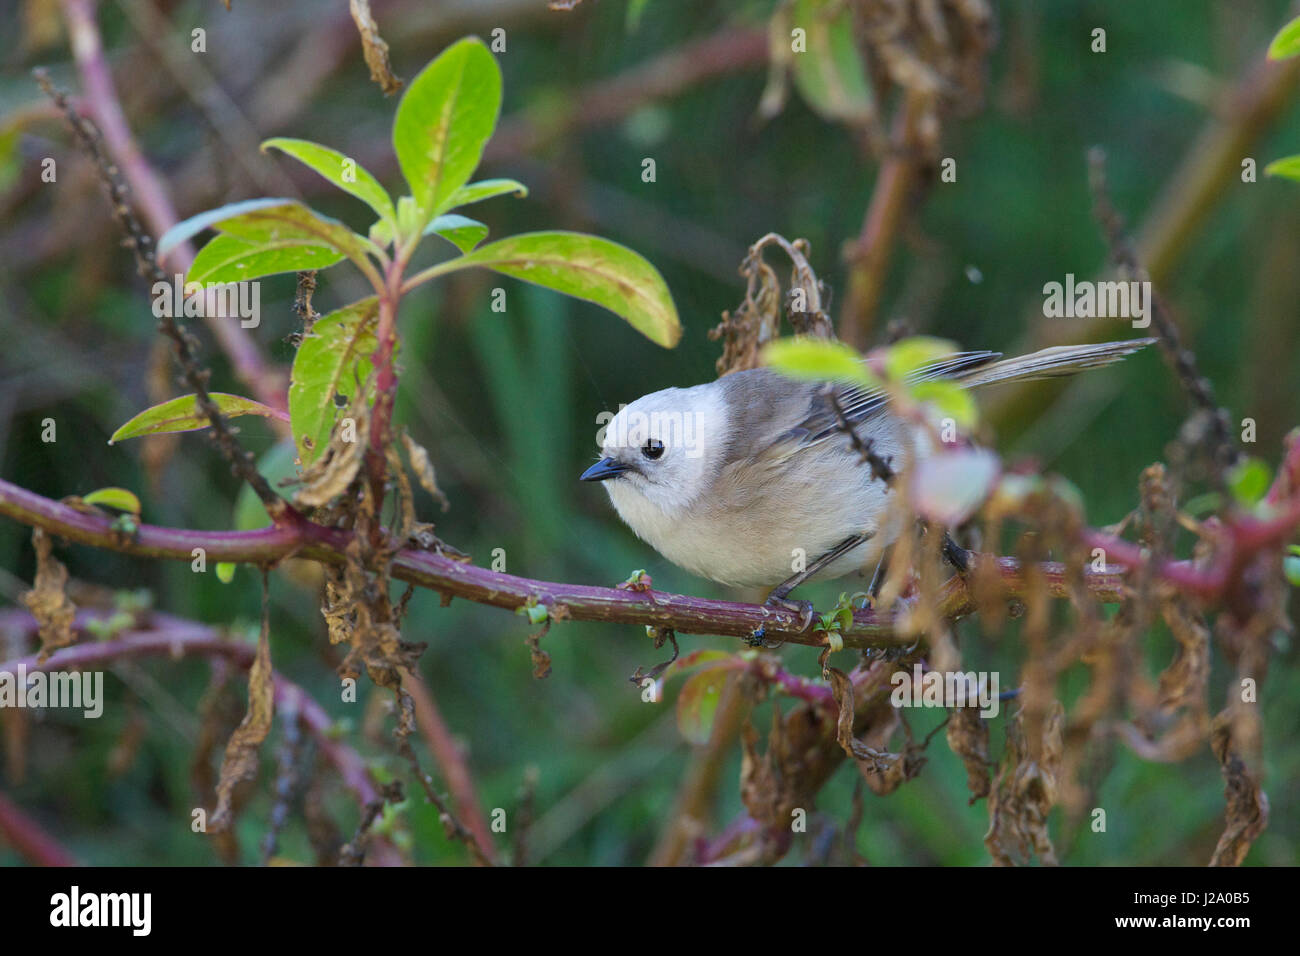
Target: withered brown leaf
x=48 y=601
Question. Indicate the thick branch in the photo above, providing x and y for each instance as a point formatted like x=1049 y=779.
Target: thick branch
x=194 y=639
x=687 y=615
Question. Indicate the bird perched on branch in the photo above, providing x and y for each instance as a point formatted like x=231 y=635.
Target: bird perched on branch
x=757 y=479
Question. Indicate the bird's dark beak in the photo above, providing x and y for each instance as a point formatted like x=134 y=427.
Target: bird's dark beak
x=605 y=468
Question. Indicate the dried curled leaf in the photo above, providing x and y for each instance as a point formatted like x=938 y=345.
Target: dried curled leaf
x=1174 y=725
x=47 y=601
x=1247 y=804
x=354 y=616
x=423 y=469
x=784 y=779
x=880 y=761
x=331 y=473
x=968 y=736
x=757 y=320
x=1025 y=791
x=374 y=47
x=541 y=660
x=240 y=761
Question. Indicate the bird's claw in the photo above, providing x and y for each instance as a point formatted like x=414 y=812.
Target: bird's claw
x=803 y=608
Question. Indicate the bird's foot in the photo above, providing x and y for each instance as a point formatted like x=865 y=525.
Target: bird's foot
x=803 y=608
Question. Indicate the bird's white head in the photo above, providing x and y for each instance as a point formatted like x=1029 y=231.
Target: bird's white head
x=662 y=451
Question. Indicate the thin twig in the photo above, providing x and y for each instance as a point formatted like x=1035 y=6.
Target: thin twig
x=1210 y=165
x=286 y=776
x=141 y=243
x=882 y=468
x=451 y=824
x=104 y=106
x=450 y=759
x=1222 y=450
x=473 y=831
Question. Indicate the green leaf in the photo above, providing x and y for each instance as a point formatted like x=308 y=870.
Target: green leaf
x=228 y=258
x=1203 y=504
x=1287 y=42
x=536 y=613
x=186 y=229
x=1249 y=480
x=183 y=415
x=410 y=220
x=444 y=120
x=1287 y=168
x=333 y=360
x=585 y=267
x=831 y=75
x=226 y=571
x=1291 y=568
x=460 y=231
x=293 y=220
x=915 y=352
x=697 y=704
x=485 y=189
x=950 y=400
x=118 y=498
x=337 y=168
x=818 y=360
x=381 y=233
x=11 y=159
x=273 y=224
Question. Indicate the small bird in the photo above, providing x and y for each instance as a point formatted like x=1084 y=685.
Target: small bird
x=737 y=479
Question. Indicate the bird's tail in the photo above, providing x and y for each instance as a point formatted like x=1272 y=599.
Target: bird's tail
x=1049 y=363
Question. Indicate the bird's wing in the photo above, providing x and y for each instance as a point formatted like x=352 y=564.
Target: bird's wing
x=969 y=370
x=794 y=416
x=1052 y=362
x=858 y=402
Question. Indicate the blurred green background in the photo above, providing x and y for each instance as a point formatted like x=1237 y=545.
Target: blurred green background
x=507 y=402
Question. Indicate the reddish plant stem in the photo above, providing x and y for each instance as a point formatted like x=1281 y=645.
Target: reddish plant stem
x=30 y=839
x=177 y=637
x=689 y=615
x=449 y=758
x=381 y=415
x=187 y=638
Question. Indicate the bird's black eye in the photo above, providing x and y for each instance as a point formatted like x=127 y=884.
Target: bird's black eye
x=653 y=448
